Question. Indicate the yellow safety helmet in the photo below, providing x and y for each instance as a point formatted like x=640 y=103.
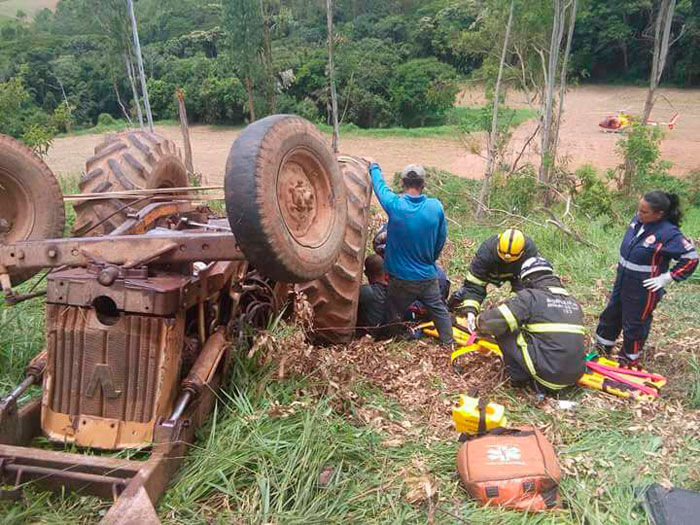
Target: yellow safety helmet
x=511 y=245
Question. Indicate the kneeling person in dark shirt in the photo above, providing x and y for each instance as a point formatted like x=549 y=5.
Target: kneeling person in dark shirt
x=371 y=307
x=540 y=330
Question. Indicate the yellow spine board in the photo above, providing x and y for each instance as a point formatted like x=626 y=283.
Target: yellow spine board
x=592 y=380
x=600 y=382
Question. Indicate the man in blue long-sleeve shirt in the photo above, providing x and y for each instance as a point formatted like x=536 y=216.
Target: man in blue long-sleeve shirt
x=416 y=234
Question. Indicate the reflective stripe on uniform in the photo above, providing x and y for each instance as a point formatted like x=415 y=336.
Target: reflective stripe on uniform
x=509 y=317
x=693 y=256
x=531 y=366
x=603 y=341
x=562 y=328
x=470 y=303
x=473 y=279
x=634 y=267
x=559 y=291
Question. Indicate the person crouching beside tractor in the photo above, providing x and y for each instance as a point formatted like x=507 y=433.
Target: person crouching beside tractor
x=540 y=331
x=416 y=234
x=371 y=305
x=498 y=259
x=651 y=241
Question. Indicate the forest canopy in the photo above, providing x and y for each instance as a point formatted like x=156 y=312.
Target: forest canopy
x=398 y=62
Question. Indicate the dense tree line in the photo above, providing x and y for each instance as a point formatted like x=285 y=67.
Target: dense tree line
x=398 y=61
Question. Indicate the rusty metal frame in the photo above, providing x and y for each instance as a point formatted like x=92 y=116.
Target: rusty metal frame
x=146 y=217
x=127 y=251
x=135 y=486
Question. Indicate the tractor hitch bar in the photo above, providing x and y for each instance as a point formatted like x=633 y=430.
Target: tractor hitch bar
x=134 y=486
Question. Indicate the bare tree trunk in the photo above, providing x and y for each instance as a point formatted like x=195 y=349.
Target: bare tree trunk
x=251 y=100
x=331 y=75
x=662 y=35
x=139 y=61
x=267 y=58
x=130 y=73
x=184 y=126
x=121 y=104
x=551 y=76
x=623 y=45
x=493 y=136
x=562 y=78
x=69 y=124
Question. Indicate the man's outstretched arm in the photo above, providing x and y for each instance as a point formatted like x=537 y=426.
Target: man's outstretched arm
x=386 y=197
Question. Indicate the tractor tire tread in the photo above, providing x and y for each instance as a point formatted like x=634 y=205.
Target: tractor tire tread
x=126 y=161
x=27 y=169
x=252 y=203
x=334 y=296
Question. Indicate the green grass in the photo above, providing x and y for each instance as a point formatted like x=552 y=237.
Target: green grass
x=260 y=458
x=457 y=120
x=115 y=127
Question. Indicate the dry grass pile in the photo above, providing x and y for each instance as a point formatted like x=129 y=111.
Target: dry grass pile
x=418 y=376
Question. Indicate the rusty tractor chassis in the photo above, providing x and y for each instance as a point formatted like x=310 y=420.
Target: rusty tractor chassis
x=129 y=277
x=144 y=308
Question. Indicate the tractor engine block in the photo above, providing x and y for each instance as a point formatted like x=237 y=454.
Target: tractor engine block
x=114 y=357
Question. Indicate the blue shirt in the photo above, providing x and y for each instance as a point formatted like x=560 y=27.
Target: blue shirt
x=416 y=233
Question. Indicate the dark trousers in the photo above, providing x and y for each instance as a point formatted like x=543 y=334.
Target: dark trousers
x=401 y=294
x=514 y=364
x=629 y=311
x=513 y=361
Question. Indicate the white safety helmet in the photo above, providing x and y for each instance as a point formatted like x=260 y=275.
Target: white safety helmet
x=535 y=265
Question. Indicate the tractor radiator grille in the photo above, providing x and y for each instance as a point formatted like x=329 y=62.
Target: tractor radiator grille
x=105 y=371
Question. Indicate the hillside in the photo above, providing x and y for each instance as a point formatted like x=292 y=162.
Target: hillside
x=358 y=434
x=9 y=8
x=442 y=147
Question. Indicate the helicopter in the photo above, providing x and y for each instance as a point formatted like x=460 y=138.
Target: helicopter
x=623 y=120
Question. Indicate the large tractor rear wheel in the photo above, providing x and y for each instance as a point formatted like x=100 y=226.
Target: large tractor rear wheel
x=334 y=296
x=127 y=161
x=31 y=203
x=285 y=198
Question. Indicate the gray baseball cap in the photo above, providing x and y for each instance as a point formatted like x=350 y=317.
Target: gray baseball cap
x=413 y=173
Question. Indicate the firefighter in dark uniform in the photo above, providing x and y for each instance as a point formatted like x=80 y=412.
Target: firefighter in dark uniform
x=651 y=241
x=498 y=259
x=540 y=331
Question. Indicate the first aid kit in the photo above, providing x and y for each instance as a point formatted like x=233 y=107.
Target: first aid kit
x=513 y=468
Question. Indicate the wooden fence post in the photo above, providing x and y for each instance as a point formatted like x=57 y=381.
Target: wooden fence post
x=184 y=126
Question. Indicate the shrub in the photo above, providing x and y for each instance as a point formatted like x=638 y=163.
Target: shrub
x=62 y=117
x=640 y=152
x=223 y=100
x=105 y=119
x=305 y=108
x=18 y=113
x=422 y=91
x=662 y=180
x=162 y=98
x=593 y=196
x=693 y=179
x=516 y=192
x=39 y=138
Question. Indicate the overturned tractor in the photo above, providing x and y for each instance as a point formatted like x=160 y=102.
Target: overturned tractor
x=146 y=305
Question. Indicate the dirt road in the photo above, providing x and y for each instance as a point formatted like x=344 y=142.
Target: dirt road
x=581 y=141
